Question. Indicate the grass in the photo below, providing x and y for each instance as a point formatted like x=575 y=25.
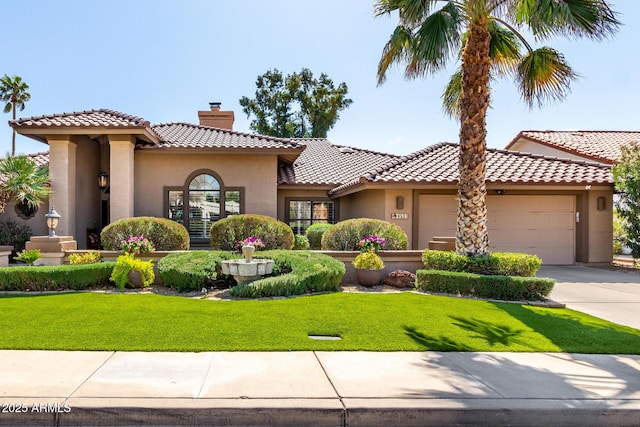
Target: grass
x=383 y=322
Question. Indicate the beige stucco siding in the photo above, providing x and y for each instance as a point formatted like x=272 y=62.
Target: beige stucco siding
x=403 y=219
x=155 y=171
x=38 y=223
x=365 y=204
x=600 y=227
x=529 y=146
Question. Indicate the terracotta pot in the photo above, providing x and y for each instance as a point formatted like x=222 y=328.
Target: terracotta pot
x=135 y=279
x=368 y=277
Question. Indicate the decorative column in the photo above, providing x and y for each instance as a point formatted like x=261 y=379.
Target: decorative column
x=121 y=176
x=62 y=175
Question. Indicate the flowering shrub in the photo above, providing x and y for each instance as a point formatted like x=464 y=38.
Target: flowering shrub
x=256 y=242
x=371 y=243
x=137 y=244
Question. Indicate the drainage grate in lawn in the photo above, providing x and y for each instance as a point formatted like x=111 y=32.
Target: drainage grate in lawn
x=325 y=337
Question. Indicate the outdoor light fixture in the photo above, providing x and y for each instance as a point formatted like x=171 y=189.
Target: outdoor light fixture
x=103 y=180
x=53 y=218
x=501 y=191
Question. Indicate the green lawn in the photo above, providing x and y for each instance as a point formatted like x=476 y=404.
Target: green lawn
x=379 y=322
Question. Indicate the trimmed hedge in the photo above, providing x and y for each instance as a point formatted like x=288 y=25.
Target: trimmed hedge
x=508 y=288
x=314 y=233
x=193 y=270
x=345 y=235
x=497 y=263
x=228 y=231
x=300 y=242
x=165 y=234
x=295 y=273
x=55 y=278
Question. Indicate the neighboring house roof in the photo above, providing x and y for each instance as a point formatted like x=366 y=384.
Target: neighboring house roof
x=84 y=121
x=438 y=164
x=323 y=163
x=602 y=146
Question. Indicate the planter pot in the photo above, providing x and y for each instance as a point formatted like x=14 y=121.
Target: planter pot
x=368 y=277
x=135 y=279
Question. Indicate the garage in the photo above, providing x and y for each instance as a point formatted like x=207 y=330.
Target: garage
x=540 y=225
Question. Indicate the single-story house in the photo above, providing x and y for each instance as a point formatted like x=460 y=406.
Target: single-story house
x=593 y=145
x=560 y=209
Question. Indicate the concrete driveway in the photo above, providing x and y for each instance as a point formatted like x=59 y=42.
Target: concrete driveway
x=610 y=295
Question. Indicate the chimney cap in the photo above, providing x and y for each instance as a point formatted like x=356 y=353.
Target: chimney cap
x=215 y=105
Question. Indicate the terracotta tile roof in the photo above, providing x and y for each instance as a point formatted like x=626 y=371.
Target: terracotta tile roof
x=602 y=146
x=186 y=135
x=322 y=163
x=438 y=164
x=83 y=119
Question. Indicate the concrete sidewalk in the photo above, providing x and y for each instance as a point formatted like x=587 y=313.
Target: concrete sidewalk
x=318 y=389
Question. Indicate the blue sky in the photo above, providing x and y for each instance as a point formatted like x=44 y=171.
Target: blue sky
x=165 y=60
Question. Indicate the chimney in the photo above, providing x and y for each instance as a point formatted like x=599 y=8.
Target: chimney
x=216 y=118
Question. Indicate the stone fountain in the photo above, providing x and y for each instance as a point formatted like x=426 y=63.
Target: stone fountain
x=247 y=269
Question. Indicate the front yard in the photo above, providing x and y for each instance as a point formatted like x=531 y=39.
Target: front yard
x=372 y=322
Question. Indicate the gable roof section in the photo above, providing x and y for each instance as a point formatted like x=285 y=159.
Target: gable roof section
x=322 y=163
x=85 y=122
x=187 y=136
x=438 y=164
x=601 y=146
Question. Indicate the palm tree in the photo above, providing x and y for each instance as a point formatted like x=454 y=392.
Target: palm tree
x=22 y=181
x=484 y=35
x=13 y=91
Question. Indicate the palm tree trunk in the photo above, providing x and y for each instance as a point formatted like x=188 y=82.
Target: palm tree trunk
x=471 y=234
x=13 y=137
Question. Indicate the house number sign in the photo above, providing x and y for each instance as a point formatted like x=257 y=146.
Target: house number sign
x=397 y=215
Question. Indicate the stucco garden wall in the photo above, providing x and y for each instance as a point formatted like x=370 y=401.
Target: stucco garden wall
x=600 y=227
x=155 y=171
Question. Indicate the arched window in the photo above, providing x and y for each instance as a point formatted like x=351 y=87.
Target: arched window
x=208 y=200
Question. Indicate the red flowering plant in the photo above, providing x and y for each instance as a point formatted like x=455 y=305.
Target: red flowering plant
x=256 y=242
x=137 y=244
x=371 y=244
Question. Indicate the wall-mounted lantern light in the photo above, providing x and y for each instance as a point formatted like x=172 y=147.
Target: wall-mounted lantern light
x=53 y=218
x=399 y=202
x=103 y=180
x=602 y=203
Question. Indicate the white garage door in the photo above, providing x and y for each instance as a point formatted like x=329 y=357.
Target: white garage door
x=540 y=225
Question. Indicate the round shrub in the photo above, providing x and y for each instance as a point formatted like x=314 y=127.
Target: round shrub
x=193 y=270
x=345 y=235
x=273 y=233
x=165 y=234
x=300 y=242
x=314 y=234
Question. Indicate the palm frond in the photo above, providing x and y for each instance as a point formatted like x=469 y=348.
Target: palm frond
x=411 y=12
x=504 y=49
x=592 y=19
x=451 y=95
x=542 y=75
x=396 y=50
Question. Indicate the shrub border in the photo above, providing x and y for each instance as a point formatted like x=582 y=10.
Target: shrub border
x=506 y=288
x=55 y=277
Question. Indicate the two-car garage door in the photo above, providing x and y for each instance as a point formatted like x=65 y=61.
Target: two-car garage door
x=541 y=225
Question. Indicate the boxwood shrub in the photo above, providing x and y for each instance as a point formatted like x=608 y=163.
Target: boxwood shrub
x=295 y=273
x=508 y=288
x=165 y=234
x=300 y=242
x=228 y=231
x=55 y=278
x=193 y=270
x=345 y=235
x=497 y=263
x=314 y=234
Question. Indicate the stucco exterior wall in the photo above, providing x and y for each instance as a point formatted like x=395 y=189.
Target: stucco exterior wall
x=600 y=227
x=38 y=223
x=87 y=192
x=155 y=171
x=399 y=212
x=528 y=146
x=366 y=204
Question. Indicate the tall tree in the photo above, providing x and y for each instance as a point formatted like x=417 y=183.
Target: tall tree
x=22 y=181
x=626 y=175
x=13 y=91
x=295 y=106
x=484 y=36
